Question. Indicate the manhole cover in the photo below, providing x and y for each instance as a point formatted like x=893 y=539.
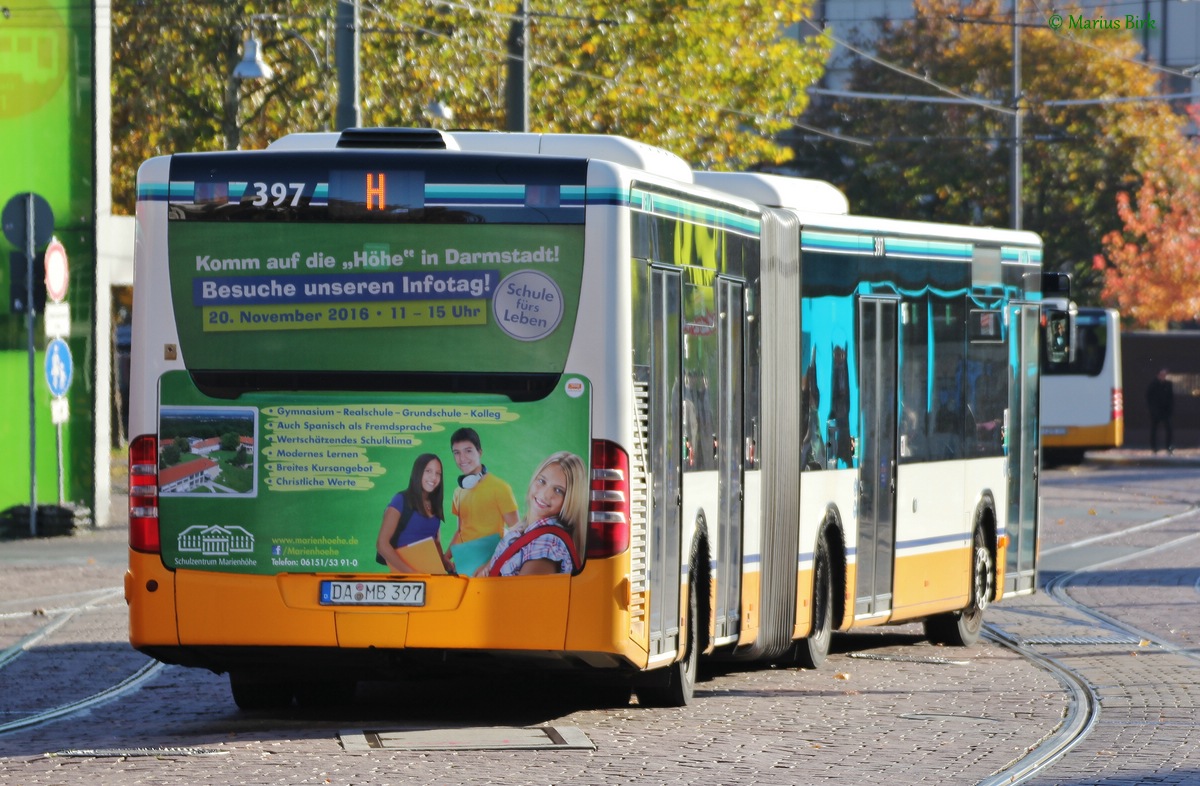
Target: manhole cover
x=1073 y=640
x=937 y=661
x=467 y=739
x=122 y=753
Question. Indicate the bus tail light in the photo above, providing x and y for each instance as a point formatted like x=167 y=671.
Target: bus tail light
x=143 y=494
x=608 y=511
x=1118 y=403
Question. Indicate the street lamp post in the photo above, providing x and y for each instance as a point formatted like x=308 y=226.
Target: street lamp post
x=516 y=98
x=345 y=36
x=1016 y=181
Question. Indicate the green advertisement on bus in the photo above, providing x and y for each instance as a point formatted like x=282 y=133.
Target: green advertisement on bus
x=305 y=483
x=366 y=297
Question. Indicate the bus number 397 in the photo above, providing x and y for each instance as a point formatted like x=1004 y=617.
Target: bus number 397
x=276 y=193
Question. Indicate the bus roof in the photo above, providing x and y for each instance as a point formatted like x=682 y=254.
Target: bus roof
x=927 y=229
x=797 y=193
x=617 y=149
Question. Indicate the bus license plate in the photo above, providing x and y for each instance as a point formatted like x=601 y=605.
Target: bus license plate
x=372 y=593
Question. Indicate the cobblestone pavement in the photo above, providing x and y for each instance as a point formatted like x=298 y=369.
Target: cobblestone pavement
x=1148 y=684
x=887 y=707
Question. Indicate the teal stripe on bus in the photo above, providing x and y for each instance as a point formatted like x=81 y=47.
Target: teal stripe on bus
x=1021 y=256
x=152 y=192
x=488 y=193
x=928 y=249
x=836 y=243
x=674 y=207
x=570 y=196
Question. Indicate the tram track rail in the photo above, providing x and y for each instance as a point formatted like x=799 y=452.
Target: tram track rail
x=53 y=620
x=1084 y=705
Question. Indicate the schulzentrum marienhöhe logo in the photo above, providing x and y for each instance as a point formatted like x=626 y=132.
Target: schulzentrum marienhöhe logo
x=216 y=541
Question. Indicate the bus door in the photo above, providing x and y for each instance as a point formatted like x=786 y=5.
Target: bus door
x=877 y=467
x=730 y=307
x=666 y=460
x=1022 y=433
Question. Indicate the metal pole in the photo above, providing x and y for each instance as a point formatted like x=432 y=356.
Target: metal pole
x=516 y=97
x=346 y=57
x=58 y=443
x=29 y=317
x=1017 y=163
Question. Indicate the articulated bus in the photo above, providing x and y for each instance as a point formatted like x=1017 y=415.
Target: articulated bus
x=1083 y=404
x=610 y=414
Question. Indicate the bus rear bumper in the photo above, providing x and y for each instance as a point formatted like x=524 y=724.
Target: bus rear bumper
x=228 y=621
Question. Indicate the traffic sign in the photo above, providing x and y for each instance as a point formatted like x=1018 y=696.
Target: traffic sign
x=56 y=318
x=58 y=275
x=59 y=367
x=15 y=220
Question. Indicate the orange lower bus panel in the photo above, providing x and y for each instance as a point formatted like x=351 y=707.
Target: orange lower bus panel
x=586 y=614
x=150 y=593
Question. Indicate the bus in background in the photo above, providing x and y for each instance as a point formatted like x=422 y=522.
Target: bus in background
x=1083 y=405
x=406 y=400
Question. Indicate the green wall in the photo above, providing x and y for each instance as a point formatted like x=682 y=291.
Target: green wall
x=46 y=132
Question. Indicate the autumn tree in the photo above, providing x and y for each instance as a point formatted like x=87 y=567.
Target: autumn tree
x=950 y=159
x=1151 y=267
x=714 y=82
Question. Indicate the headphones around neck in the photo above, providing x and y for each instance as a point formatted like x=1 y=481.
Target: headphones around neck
x=469 y=482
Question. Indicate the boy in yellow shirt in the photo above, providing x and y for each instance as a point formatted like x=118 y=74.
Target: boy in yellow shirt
x=484 y=503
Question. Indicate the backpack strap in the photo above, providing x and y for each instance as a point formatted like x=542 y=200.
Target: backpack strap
x=528 y=537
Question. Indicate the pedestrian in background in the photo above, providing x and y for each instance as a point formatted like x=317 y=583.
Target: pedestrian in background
x=1160 y=399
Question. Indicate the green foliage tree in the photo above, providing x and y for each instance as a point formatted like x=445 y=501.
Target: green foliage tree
x=952 y=161
x=170 y=456
x=714 y=82
x=230 y=441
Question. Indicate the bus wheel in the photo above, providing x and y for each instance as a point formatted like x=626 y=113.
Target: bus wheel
x=811 y=652
x=255 y=692
x=962 y=628
x=675 y=685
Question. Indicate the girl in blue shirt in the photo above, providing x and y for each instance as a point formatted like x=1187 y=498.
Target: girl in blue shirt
x=413 y=514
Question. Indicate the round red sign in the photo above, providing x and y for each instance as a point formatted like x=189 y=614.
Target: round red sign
x=57 y=273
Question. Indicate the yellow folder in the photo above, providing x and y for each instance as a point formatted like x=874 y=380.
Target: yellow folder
x=423 y=557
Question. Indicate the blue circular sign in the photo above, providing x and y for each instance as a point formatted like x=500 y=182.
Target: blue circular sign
x=58 y=366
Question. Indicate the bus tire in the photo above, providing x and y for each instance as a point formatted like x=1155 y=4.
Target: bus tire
x=675 y=685
x=962 y=628
x=254 y=692
x=812 y=651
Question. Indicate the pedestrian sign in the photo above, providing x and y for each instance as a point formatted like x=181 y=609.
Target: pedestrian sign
x=58 y=367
